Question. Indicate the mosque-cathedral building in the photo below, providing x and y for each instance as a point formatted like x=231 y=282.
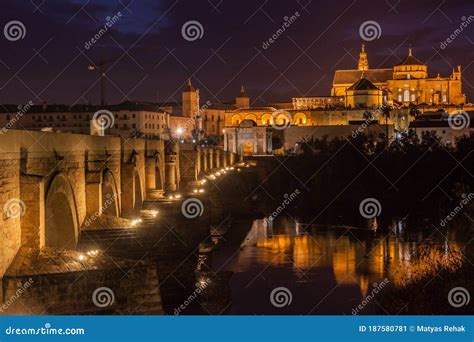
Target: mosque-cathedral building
x=248 y=130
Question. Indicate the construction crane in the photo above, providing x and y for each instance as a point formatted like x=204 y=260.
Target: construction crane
x=102 y=68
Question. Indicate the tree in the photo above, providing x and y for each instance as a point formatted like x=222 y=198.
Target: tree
x=386 y=110
x=414 y=112
x=368 y=116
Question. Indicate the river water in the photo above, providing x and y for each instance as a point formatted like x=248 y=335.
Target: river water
x=326 y=269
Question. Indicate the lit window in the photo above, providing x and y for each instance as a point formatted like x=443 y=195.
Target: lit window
x=413 y=98
x=406 y=96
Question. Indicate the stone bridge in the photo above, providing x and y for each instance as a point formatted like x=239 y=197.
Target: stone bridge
x=55 y=187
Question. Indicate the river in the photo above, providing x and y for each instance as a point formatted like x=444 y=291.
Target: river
x=322 y=269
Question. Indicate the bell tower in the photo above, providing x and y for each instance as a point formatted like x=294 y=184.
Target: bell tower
x=190 y=100
x=242 y=101
x=363 y=60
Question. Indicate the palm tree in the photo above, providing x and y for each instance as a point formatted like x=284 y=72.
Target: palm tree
x=368 y=116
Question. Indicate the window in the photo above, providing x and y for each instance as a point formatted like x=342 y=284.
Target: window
x=399 y=98
x=133 y=116
x=134 y=125
x=406 y=96
x=413 y=98
x=445 y=98
x=408 y=76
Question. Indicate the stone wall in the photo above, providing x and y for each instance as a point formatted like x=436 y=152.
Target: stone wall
x=54 y=181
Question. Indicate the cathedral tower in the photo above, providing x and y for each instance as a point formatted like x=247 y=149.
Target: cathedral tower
x=363 y=60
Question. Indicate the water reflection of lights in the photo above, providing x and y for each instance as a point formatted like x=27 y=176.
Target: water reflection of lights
x=356 y=258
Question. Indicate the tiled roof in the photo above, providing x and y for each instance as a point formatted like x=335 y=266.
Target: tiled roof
x=61 y=108
x=363 y=84
x=222 y=106
x=411 y=60
x=352 y=76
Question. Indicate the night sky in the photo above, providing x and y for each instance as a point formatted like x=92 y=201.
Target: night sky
x=150 y=60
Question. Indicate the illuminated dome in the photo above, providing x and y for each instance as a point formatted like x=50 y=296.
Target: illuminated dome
x=410 y=68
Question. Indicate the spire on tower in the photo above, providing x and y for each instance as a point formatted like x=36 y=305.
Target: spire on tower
x=242 y=92
x=363 y=60
x=189 y=87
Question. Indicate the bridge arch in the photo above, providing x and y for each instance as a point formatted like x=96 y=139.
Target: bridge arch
x=138 y=190
x=61 y=218
x=236 y=119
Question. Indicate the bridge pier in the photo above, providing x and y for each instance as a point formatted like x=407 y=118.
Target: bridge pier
x=32 y=194
x=217 y=159
x=204 y=160
x=210 y=156
x=93 y=193
x=189 y=164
